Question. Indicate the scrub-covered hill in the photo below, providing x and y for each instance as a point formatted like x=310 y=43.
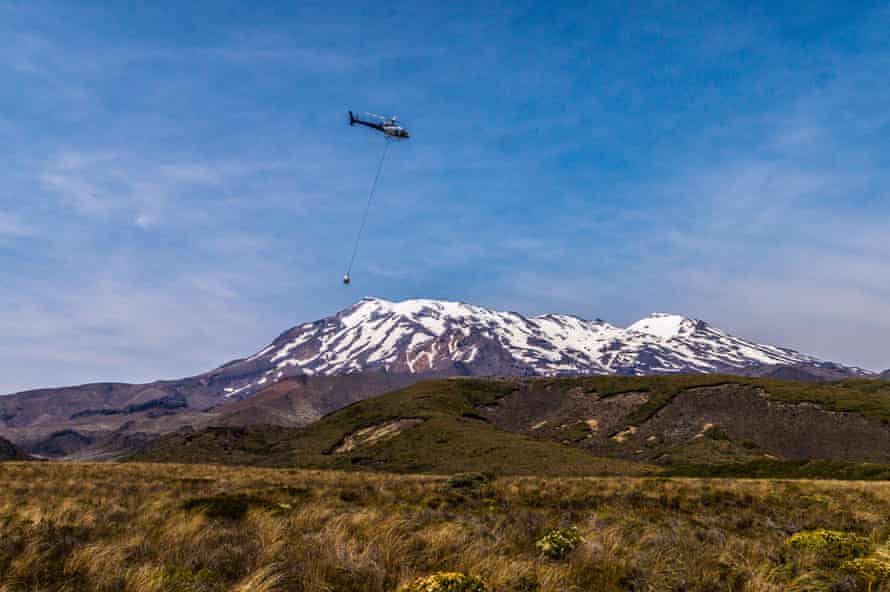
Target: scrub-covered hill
x=431 y=427
x=568 y=426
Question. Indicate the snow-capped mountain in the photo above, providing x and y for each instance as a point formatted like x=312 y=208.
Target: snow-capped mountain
x=376 y=346
x=447 y=338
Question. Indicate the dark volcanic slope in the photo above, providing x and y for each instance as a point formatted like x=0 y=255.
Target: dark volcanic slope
x=9 y=452
x=694 y=420
x=100 y=421
x=76 y=416
x=567 y=426
x=299 y=401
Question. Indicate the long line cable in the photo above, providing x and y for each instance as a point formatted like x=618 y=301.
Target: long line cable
x=361 y=228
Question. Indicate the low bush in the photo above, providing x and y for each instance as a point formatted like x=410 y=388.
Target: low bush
x=871 y=570
x=469 y=480
x=832 y=547
x=526 y=584
x=226 y=507
x=446 y=582
x=715 y=433
x=558 y=542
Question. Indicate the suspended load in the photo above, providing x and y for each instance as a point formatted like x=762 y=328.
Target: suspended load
x=391 y=130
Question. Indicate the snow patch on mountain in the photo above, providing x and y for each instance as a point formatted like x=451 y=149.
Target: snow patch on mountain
x=665 y=326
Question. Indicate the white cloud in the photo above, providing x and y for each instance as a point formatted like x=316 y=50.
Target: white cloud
x=12 y=226
x=109 y=324
x=123 y=187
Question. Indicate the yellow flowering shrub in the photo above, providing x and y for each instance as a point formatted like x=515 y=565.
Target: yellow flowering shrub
x=831 y=546
x=445 y=582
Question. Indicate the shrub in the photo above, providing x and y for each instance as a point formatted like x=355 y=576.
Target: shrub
x=526 y=584
x=226 y=507
x=180 y=579
x=295 y=492
x=831 y=546
x=715 y=433
x=872 y=569
x=558 y=542
x=446 y=582
x=349 y=496
x=469 y=480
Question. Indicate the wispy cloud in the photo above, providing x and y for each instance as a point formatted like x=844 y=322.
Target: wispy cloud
x=118 y=185
x=12 y=226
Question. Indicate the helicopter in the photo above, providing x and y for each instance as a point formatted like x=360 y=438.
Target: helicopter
x=388 y=125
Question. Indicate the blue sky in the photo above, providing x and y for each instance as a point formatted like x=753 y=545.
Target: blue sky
x=179 y=183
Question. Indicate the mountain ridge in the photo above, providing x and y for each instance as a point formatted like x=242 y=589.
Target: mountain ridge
x=443 y=337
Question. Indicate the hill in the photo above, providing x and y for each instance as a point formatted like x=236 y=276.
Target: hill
x=104 y=421
x=567 y=426
x=431 y=427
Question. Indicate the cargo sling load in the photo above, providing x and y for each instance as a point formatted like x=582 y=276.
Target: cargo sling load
x=391 y=130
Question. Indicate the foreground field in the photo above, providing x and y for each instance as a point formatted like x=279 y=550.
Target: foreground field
x=146 y=527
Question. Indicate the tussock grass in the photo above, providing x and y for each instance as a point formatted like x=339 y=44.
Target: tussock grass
x=190 y=528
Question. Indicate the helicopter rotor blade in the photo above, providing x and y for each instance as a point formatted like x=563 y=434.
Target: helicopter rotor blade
x=375 y=115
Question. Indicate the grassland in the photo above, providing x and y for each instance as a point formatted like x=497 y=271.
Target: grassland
x=178 y=528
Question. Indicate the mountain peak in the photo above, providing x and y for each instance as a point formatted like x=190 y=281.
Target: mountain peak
x=665 y=325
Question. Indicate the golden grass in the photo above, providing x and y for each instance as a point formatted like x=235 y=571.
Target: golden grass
x=146 y=527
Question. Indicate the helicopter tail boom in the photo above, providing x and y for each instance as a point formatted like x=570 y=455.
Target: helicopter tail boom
x=353 y=120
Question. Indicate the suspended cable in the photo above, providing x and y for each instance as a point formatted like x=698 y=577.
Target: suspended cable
x=361 y=227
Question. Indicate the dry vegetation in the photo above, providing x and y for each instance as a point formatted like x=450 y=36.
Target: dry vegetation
x=144 y=527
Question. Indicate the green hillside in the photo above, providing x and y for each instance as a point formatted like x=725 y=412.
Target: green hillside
x=452 y=437
x=469 y=424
